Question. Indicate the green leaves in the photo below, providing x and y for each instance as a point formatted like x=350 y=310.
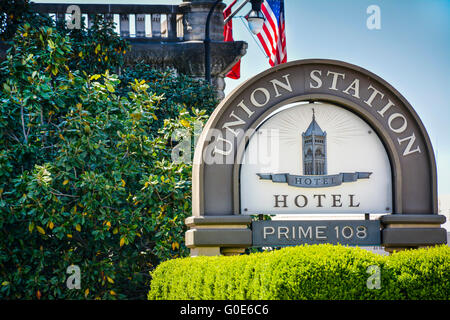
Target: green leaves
x=309 y=272
x=86 y=174
x=13 y=14
x=6 y=87
x=95 y=77
x=98 y=48
x=51 y=44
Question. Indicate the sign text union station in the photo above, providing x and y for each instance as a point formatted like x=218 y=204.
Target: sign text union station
x=321 y=80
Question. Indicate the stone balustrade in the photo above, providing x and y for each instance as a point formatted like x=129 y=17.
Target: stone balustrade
x=164 y=36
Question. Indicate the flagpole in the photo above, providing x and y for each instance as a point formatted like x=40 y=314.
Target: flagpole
x=207 y=42
x=236 y=11
x=253 y=37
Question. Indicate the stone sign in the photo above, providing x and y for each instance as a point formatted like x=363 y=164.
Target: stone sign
x=345 y=142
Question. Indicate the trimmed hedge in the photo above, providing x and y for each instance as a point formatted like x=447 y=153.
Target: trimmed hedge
x=314 y=272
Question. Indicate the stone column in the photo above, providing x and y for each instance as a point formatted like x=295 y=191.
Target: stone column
x=219 y=83
x=412 y=231
x=194 y=20
x=218 y=235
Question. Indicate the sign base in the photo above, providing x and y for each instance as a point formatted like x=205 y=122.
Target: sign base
x=407 y=231
x=218 y=235
x=230 y=235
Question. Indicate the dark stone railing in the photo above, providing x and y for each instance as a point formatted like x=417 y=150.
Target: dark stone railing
x=164 y=36
x=149 y=22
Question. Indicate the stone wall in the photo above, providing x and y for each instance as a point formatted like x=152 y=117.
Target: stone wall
x=184 y=52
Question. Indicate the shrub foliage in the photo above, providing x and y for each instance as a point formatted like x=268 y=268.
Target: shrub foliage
x=86 y=175
x=317 y=272
x=12 y=13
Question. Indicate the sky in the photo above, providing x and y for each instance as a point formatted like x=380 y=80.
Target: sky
x=411 y=51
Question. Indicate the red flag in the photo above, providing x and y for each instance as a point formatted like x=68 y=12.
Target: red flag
x=235 y=72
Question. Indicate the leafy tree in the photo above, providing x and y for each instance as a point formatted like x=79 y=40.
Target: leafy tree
x=95 y=49
x=12 y=14
x=179 y=92
x=86 y=175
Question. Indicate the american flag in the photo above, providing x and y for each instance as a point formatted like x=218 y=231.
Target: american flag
x=273 y=35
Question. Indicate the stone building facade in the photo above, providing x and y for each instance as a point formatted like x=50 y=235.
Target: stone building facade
x=176 y=36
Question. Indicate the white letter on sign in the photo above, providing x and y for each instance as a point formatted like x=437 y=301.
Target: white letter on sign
x=316 y=79
x=229 y=124
x=355 y=87
x=286 y=86
x=266 y=94
x=266 y=231
x=320 y=233
x=408 y=150
x=336 y=75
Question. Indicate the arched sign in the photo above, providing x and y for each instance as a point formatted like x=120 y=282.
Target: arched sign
x=392 y=168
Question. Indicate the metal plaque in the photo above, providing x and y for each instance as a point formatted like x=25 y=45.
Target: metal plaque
x=288 y=233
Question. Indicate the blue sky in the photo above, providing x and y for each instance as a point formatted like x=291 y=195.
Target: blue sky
x=411 y=51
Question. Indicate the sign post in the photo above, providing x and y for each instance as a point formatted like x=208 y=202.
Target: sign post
x=313 y=138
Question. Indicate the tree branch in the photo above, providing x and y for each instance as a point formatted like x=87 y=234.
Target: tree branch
x=23 y=124
x=57 y=193
x=13 y=136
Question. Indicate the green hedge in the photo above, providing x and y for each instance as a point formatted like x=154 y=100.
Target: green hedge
x=306 y=272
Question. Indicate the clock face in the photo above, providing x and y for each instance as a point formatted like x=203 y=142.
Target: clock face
x=315 y=158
